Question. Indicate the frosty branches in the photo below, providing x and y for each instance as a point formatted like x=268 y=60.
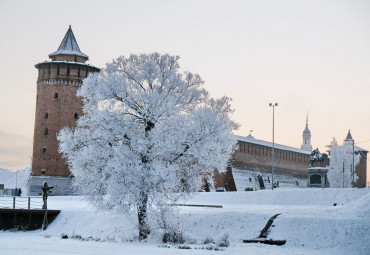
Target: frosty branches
x=340 y=172
x=149 y=133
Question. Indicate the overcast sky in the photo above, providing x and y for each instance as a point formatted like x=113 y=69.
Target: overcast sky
x=308 y=56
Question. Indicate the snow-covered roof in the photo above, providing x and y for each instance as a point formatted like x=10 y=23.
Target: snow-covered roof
x=251 y=139
x=69 y=46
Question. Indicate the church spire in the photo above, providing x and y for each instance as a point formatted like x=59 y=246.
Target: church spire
x=306 y=145
x=307 y=119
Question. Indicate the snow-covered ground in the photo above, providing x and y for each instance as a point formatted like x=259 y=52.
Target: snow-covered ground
x=309 y=222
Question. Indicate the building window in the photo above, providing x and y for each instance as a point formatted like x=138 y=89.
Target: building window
x=56 y=95
x=79 y=70
x=44 y=149
x=43 y=171
x=58 y=68
x=46 y=131
x=76 y=116
x=68 y=70
x=46 y=115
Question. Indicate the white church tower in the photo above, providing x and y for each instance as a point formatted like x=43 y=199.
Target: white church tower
x=306 y=145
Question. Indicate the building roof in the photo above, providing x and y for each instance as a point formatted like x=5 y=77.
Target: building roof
x=251 y=139
x=69 y=46
x=349 y=136
x=65 y=62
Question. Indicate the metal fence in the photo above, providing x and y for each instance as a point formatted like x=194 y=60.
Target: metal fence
x=21 y=203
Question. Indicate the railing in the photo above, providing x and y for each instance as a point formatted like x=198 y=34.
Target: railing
x=21 y=203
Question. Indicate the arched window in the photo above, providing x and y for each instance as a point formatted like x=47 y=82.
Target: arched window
x=46 y=131
x=76 y=116
x=46 y=115
x=56 y=95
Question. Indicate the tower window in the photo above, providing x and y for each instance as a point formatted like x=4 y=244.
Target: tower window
x=68 y=70
x=46 y=115
x=76 y=116
x=58 y=69
x=56 y=95
x=44 y=149
x=79 y=69
x=46 y=131
x=43 y=171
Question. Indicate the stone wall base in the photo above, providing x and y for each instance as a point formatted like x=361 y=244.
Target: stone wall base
x=64 y=185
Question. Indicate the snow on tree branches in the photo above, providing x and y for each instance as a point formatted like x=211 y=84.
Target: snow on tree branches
x=340 y=174
x=149 y=134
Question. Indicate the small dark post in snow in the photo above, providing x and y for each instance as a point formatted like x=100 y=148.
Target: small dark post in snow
x=45 y=190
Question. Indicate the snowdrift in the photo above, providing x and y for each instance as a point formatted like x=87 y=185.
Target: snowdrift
x=308 y=221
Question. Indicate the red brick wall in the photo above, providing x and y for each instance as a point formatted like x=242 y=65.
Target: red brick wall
x=361 y=169
x=258 y=156
x=62 y=79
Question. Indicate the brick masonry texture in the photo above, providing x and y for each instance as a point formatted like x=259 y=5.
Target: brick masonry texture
x=57 y=106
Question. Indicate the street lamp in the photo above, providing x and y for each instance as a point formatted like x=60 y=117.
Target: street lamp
x=273 y=143
x=353 y=161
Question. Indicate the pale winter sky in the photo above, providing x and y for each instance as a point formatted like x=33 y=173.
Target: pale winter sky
x=309 y=56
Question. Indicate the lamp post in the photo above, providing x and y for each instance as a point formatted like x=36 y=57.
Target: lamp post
x=273 y=143
x=353 y=161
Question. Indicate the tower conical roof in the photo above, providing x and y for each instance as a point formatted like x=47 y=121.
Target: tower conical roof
x=69 y=46
x=349 y=136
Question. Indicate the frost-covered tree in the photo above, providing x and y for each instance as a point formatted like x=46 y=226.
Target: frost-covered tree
x=333 y=143
x=149 y=134
x=340 y=172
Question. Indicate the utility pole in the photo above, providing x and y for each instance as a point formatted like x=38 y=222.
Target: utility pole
x=273 y=143
x=353 y=161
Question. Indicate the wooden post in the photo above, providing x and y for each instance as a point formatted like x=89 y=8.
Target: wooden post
x=45 y=222
x=45 y=190
x=13 y=202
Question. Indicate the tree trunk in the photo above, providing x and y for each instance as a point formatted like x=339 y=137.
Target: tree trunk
x=142 y=217
x=142 y=208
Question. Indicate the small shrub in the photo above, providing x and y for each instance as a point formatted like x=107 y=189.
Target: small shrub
x=208 y=240
x=224 y=240
x=185 y=247
x=173 y=237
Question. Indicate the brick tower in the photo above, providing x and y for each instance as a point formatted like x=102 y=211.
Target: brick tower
x=57 y=107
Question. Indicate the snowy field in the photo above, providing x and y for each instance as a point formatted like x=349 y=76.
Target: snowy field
x=308 y=222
